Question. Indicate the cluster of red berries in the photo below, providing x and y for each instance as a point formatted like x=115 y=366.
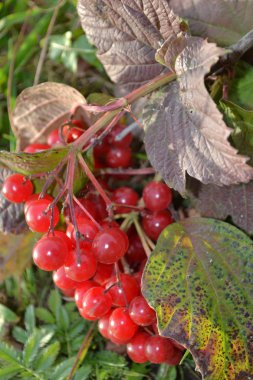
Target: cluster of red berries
x=99 y=264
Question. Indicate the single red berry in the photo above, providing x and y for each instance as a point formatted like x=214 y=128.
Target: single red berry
x=86 y=316
x=96 y=302
x=68 y=292
x=123 y=294
x=49 y=253
x=62 y=235
x=71 y=134
x=118 y=157
x=109 y=245
x=99 y=205
x=35 y=148
x=124 y=196
x=81 y=290
x=135 y=253
x=137 y=346
x=17 y=188
x=35 y=197
x=121 y=326
x=154 y=223
x=104 y=273
x=79 y=213
x=103 y=325
x=158 y=349
x=62 y=281
x=175 y=358
x=38 y=218
x=86 y=228
x=53 y=138
x=80 y=271
x=140 y=312
x=157 y=196
x=115 y=137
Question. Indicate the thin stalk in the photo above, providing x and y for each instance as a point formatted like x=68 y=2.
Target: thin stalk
x=86 y=212
x=142 y=237
x=131 y=172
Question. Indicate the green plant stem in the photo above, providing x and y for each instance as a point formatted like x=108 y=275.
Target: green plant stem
x=82 y=351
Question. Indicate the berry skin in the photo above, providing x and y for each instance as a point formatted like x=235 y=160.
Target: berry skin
x=118 y=157
x=37 y=219
x=71 y=134
x=159 y=349
x=17 y=189
x=140 y=312
x=35 y=197
x=49 y=253
x=128 y=290
x=154 y=223
x=157 y=196
x=110 y=245
x=35 y=148
x=79 y=213
x=135 y=253
x=124 y=196
x=121 y=326
x=96 y=302
x=103 y=325
x=62 y=281
x=87 y=229
x=136 y=347
x=175 y=358
x=62 y=236
x=104 y=273
x=86 y=316
x=53 y=138
x=83 y=271
x=80 y=292
x=111 y=138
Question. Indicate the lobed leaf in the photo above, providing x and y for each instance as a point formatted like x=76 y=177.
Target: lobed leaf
x=222 y=21
x=127 y=34
x=42 y=108
x=198 y=279
x=184 y=129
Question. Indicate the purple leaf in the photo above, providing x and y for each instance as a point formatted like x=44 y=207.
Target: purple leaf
x=127 y=34
x=185 y=131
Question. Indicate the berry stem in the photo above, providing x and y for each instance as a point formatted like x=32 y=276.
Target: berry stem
x=142 y=237
x=86 y=212
x=131 y=172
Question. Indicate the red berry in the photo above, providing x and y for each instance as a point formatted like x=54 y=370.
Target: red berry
x=62 y=236
x=104 y=273
x=79 y=213
x=80 y=271
x=35 y=148
x=175 y=358
x=54 y=138
x=35 y=197
x=109 y=245
x=87 y=229
x=62 y=281
x=81 y=290
x=71 y=134
x=86 y=316
x=137 y=346
x=136 y=252
x=49 y=253
x=68 y=292
x=113 y=137
x=96 y=302
x=37 y=218
x=158 y=349
x=140 y=312
x=128 y=290
x=121 y=326
x=157 y=196
x=153 y=224
x=119 y=157
x=124 y=196
x=99 y=205
x=103 y=325
x=17 y=189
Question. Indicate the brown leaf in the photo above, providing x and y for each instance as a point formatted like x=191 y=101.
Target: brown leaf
x=221 y=202
x=15 y=254
x=185 y=131
x=12 y=218
x=127 y=34
x=222 y=21
x=42 y=108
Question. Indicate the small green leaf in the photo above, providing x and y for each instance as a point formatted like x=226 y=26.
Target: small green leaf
x=198 y=279
x=240 y=89
x=7 y=316
x=63 y=369
x=33 y=163
x=62 y=319
x=47 y=357
x=31 y=347
x=20 y=334
x=11 y=370
x=44 y=315
x=30 y=319
x=111 y=359
x=54 y=302
x=8 y=354
x=84 y=372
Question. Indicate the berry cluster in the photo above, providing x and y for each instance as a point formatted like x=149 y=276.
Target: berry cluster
x=95 y=259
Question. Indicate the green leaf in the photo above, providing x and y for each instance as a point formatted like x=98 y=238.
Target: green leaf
x=44 y=315
x=6 y=316
x=241 y=120
x=30 y=319
x=111 y=359
x=9 y=354
x=11 y=370
x=166 y=372
x=63 y=369
x=240 y=89
x=62 y=319
x=20 y=334
x=47 y=357
x=87 y=52
x=38 y=339
x=83 y=373
x=33 y=163
x=198 y=280
x=54 y=302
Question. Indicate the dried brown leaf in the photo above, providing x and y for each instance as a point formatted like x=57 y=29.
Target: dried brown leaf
x=222 y=21
x=127 y=34
x=42 y=108
x=185 y=131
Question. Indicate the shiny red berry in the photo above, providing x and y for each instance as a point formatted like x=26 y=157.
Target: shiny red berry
x=140 y=312
x=157 y=196
x=38 y=215
x=49 y=253
x=154 y=223
x=83 y=270
x=17 y=188
x=137 y=346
